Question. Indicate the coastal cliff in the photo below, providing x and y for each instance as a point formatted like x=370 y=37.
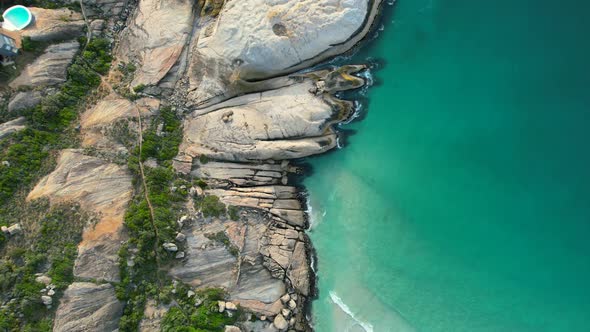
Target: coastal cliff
x=184 y=159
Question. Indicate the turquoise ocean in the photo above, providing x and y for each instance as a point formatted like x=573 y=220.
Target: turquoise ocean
x=461 y=200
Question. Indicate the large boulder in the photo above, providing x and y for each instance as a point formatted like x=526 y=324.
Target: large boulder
x=24 y=100
x=258 y=39
x=87 y=307
x=54 y=24
x=50 y=68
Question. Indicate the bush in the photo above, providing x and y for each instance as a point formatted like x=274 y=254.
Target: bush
x=203 y=159
x=233 y=212
x=139 y=88
x=210 y=205
x=29 y=45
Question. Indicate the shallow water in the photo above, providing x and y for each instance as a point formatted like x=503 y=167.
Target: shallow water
x=461 y=203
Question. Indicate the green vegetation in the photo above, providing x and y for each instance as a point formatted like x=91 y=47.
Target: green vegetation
x=203 y=159
x=233 y=212
x=206 y=317
x=48 y=243
x=222 y=238
x=139 y=88
x=50 y=124
x=164 y=146
x=210 y=205
x=145 y=280
x=48 y=247
x=29 y=45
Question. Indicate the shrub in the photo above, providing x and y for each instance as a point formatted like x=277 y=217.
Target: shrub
x=210 y=205
x=233 y=212
x=139 y=88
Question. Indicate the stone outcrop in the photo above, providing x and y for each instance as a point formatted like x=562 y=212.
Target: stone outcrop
x=154 y=38
x=24 y=100
x=152 y=316
x=105 y=8
x=54 y=24
x=257 y=39
x=100 y=187
x=12 y=126
x=230 y=64
x=293 y=121
x=227 y=174
x=50 y=68
x=97 y=122
x=281 y=201
x=87 y=307
x=258 y=267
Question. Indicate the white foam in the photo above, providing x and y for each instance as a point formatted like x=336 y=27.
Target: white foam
x=338 y=301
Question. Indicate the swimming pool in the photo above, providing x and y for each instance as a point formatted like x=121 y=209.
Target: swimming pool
x=16 y=18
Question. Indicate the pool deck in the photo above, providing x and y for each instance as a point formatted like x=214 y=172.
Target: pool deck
x=14 y=35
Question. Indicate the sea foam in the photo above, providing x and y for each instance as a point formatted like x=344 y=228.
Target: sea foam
x=338 y=301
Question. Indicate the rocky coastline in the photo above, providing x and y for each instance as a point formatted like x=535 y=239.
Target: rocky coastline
x=232 y=71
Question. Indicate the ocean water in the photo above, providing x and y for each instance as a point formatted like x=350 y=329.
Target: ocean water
x=461 y=200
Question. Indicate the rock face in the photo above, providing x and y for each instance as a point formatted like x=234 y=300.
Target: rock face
x=155 y=37
x=50 y=67
x=24 y=100
x=226 y=174
x=54 y=24
x=228 y=66
x=12 y=126
x=247 y=267
x=281 y=201
x=256 y=39
x=96 y=122
x=105 y=8
x=87 y=307
x=293 y=121
x=100 y=187
x=152 y=316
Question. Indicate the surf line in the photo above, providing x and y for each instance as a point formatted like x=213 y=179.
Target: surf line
x=338 y=301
